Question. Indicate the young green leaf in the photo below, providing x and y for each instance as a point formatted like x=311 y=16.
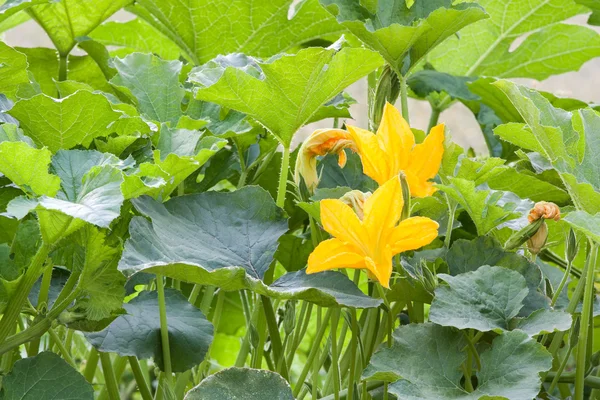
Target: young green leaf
x=404 y=35
x=297 y=84
x=242 y=384
x=13 y=70
x=28 y=168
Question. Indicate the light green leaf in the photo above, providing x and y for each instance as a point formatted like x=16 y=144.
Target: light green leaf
x=11 y=7
x=136 y=35
x=485 y=48
x=299 y=84
x=543 y=322
x=13 y=70
x=28 y=168
x=510 y=367
x=485 y=299
x=481 y=205
x=153 y=83
x=207 y=28
x=242 y=384
x=66 y=20
x=65 y=123
x=190 y=333
x=426 y=81
x=45 y=377
x=397 y=31
x=585 y=223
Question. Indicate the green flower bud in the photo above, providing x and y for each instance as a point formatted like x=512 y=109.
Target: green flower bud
x=254 y=337
x=289 y=317
x=520 y=237
x=571 y=246
x=405 y=197
x=388 y=90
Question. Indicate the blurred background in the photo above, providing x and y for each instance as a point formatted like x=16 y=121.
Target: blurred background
x=582 y=84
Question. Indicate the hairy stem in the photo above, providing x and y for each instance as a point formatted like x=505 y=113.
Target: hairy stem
x=283 y=175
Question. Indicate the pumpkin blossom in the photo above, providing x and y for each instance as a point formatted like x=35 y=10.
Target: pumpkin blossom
x=320 y=143
x=393 y=150
x=371 y=242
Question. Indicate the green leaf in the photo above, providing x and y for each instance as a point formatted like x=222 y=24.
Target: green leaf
x=153 y=83
x=11 y=7
x=65 y=123
x=293 y=252
x=485 y=299
x=28 y=168
x=543 y=322
x=299 y=84
x=351 y=176
x=398 y=32
x=45 y=377
x=551 y=47
x=481 y=205
x=190 y=333
x=242 y=384
x=136 y=35
x=588 y=224
x=67 y=20
x=510 y=367
x=13 y=70
x=207 y=29
x=426 y=81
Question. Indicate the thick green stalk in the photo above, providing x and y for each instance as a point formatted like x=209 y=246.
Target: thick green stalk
x=62 y=67
x=109 y=377
x=433 y=118
x=562 y=284
x=91 y=364
x=274 y=333
x=34 y=346
x=63 y=350
x=138 y=374
x=404 y=97
x=368 y=386
x=118 y=366
x=164 y=329
x=283 y=175
x=207 y=298
x=584 y=331
x=335 y=317
x=16 y=302
x=353 y=347
x=311 y=356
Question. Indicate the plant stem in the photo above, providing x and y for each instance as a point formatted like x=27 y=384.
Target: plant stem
x=560 y=370
x=433 y=118
x=17 y=300
x=63 y=350
x=404 y=97
x=142 y=384
x=207 y=298
x=311 y=356
x=164 y=329
x=584 y=331
x=451 y=214
x=34 y=346
x=368 y=386
x=562 y=284
x=590 y=381
x=335 y=317
x=283 y=175
x=91 y=364
x=62 y=67
x=109 y=377
x=274 y=334
x=353 y=346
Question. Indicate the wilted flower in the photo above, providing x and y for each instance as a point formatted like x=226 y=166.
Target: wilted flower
x=370 y=243
x=392 y=150
x=320 y=143
x=541 y=211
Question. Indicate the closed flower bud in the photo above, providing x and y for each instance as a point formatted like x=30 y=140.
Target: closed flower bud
x=522 y=236
x=538 y=240
x=405 y=197
x=571 y=246
x=388 y=89
x=544 y=209
x=289 y=317
x=356 y=200
x=254 y=337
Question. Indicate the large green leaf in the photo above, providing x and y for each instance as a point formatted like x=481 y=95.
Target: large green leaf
x=242 y=384
x=63 y=124
x=509 y=368
x=28 y=168
x=569 y=140
x=153 y=83
x=136 y=35
x=227 y=240
x=204 y=29
x=66 y=20
x=298 y=84
x=396 y=30
x=13 y=70
x=190 y=333
x=485 y=47
x=586 y=223
x=45 y=377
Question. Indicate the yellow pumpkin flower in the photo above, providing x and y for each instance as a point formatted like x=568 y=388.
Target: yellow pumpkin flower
x=369 y=243
x=321 y=142
x=392 y=150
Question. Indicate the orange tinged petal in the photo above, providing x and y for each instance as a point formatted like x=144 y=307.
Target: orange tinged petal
x=332 y=254
x=413 y=233
x=342 y=222
x=342 y=159
x=383 y=210
x=426 y=157
x=396 y=137
x=419 y=187
x=374 y=159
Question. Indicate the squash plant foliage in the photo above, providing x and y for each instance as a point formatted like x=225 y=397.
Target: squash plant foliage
x=168 y=229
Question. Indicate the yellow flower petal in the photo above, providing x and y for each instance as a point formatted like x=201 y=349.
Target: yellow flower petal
x=419 y=187
x=426 y=157
x=373 y=158
x=383 y=210
x=382 y=267
x=413 y=233
x=342 y=222
x=395 y=136
x=332 y=254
